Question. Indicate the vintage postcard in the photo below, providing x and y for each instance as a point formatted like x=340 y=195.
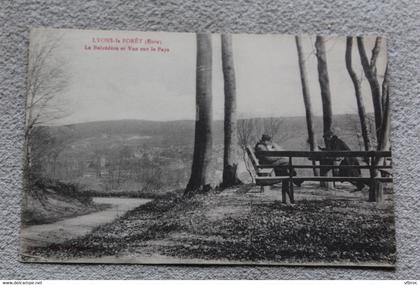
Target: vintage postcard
x=184 y=148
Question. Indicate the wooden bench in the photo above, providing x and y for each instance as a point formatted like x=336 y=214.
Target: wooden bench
x=264 y=173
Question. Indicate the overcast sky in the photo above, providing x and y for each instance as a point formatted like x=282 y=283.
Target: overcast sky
x=111 y=85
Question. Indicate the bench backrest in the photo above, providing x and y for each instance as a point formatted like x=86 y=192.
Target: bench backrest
x=252 y=156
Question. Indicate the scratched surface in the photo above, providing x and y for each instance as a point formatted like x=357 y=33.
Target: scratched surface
x=399 y=20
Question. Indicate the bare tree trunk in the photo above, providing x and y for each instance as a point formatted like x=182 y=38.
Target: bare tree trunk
x=369 y=68
x=203 y=125
x=325 y=95
x=383 y=142
x=306 y=99
x=324 y=84
x=358 y=93
x=230 y=163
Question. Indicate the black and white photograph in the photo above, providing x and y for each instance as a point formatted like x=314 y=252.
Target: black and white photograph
x=197 y=148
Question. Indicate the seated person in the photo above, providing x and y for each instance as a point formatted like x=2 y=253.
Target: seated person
x=337 y=144
x=266 y=144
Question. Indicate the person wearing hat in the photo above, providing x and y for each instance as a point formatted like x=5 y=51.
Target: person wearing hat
x=334 y=143
x=266 y=144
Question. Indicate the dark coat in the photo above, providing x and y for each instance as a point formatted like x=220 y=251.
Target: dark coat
x=339 y=145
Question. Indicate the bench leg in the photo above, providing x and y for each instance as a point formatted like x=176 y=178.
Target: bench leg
x=376 y=192
x=286 y=191
x=283 y=193
x=291 y=192
x=329 y=185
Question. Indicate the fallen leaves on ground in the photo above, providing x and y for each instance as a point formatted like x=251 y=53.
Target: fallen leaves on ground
x=331 y=230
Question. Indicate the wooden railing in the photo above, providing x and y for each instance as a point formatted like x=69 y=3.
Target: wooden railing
x=374 y=163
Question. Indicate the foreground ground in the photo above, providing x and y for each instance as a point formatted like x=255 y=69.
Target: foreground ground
x=241 y=225
x=74 y=227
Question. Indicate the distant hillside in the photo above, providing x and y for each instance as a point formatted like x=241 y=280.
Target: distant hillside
x=147 y=156
x=181 y=132
x=175 y=129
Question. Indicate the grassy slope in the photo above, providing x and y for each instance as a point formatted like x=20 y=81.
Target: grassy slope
x=51 y=201
x=249 y=227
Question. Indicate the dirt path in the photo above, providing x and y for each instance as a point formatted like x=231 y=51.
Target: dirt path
x=58 y=232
